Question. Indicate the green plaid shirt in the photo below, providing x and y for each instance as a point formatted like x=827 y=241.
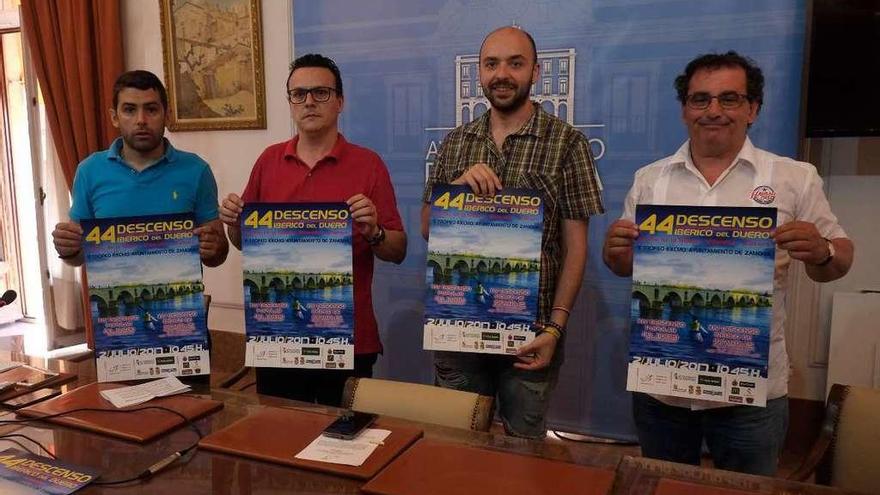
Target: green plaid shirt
x=546 y=154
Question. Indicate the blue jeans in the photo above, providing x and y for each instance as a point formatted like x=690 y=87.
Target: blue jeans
x=740 y=438
x=521 y=396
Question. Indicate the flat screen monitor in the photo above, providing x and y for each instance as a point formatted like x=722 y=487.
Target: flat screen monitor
x=843 y=91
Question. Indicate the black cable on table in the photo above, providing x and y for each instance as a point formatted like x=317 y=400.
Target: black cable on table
x=150 y=471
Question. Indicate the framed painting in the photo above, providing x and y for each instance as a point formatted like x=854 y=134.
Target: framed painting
x=213 y=56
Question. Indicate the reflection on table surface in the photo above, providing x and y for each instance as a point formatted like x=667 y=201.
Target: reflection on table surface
x=209 y=472
x=640 y=475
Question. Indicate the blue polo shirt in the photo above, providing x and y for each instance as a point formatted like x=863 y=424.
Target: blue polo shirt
x=105 y=186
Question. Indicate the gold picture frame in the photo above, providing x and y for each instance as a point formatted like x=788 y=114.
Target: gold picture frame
x=212 y=51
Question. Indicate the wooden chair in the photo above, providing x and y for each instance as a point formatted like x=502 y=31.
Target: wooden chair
x=417 y=402
x=227 y=358
x=847 y=452
x=227 y=362
x=244 y=374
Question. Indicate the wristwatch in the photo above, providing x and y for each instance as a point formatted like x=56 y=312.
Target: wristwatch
x=830 y=253
x=378 y=238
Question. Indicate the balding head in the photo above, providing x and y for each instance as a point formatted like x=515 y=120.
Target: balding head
x=512 y=32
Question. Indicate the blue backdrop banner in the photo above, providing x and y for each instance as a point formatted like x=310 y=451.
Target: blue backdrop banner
x=410 y=75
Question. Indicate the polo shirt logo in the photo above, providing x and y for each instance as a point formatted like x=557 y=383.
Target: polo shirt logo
x=764 y=195
x=174 y=195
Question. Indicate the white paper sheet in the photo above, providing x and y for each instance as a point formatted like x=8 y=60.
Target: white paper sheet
x=349 y=452
x=138 y=394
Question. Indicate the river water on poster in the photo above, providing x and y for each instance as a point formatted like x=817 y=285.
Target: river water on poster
x=689 y=348
x=149 y=331
x=477 y=307
x=299 y=319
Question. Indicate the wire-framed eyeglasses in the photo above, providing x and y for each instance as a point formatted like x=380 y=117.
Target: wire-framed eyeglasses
x=728 y=100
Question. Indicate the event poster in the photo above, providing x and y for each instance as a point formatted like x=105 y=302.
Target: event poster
x=146 y=297
x=483 y=270
x=298 y=285
x=28 y=474
x=702 y=302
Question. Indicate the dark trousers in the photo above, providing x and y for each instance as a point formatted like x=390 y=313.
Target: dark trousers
x=740 y=438
x=313 y=385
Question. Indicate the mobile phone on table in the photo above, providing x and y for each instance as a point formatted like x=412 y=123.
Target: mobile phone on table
x=29 y=398
x=349 y=425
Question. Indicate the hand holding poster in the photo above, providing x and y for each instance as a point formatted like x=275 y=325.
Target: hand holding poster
x=146 y=297
x=484 y=266
x=702 y=301
x=299 y=309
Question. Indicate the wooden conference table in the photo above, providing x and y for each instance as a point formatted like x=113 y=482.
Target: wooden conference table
x=211 y=472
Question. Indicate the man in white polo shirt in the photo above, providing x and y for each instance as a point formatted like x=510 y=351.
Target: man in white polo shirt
x=721 y=95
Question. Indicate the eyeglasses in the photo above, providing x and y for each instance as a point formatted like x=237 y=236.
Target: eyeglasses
x=728 y=100
x=319 y=93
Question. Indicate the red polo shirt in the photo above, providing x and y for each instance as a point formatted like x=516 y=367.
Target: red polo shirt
x=280 y=176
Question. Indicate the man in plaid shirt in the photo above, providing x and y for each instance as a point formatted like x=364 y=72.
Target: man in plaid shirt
x=517 y=144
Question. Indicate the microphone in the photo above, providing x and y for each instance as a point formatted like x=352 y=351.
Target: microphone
x=7 y=298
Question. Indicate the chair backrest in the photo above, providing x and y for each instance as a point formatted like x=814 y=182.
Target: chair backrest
x=417 y=402
x=855 y=453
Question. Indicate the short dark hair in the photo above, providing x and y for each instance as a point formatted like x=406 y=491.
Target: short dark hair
x=316 y=60
x=139 y=79
x=523 y=31
x=532 y=41
x=713 y=61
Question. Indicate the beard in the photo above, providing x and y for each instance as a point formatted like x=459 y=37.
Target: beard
x=142 y=144
x=520 y=96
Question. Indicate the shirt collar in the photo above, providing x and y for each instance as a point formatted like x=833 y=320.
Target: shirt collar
x=115 y=150
x=746 y=155
x=535 y=126
x=335 y=153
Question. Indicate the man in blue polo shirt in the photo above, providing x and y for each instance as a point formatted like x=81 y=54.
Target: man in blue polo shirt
x=142 y=174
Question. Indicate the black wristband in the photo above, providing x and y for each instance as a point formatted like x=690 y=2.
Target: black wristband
x=556 y=326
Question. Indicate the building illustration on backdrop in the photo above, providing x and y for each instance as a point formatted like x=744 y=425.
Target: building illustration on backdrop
x=553 y=89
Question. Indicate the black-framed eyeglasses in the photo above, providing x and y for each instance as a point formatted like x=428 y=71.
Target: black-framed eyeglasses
x=319 y=93
x=728 y=100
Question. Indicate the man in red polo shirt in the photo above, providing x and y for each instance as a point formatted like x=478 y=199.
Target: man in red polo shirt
x=319 y=165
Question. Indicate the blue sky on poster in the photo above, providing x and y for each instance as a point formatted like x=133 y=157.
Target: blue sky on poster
x=303 y=257
x=706 y=270
x=496 y=241
x=144 y=269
